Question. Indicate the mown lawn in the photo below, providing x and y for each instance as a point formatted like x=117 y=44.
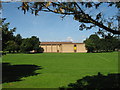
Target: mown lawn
x=60 y=69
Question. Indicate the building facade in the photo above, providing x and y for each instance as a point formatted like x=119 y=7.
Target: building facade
x=63 y=47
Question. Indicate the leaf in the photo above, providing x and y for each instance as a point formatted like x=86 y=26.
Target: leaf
x=98 y=16
x=82 y=3
x=55 y=10
x=97 y=5
x=26 y=4
x=18 y=7
x=40 y=8
x=89 y=5
x=91 y=26
x=48 y=4
x=32 y=12
x=82 y=26
x=118 y=4
x=54 y=5
x=36 y=12
x=110 y=4
x=109 y=24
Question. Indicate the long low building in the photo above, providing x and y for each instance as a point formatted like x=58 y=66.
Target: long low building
x=63 y=47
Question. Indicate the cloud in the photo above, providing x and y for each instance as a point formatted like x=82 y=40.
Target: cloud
x=69 y=39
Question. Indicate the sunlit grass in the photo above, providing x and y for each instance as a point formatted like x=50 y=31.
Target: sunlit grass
x=60 y=69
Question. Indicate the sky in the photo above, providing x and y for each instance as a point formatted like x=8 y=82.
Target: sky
x=46 y=26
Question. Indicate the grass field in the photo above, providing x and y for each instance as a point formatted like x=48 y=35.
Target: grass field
x=60 y=69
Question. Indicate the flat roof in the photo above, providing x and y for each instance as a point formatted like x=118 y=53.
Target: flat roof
x=59 y=43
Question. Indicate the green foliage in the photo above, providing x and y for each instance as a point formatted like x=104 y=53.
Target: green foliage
x=92 y=43
x=30 y=44
x=7 y=34
x=11 y=46
x=35 y=42
x=89 y=45
x=104 y=44
x=26 y=45
x=18 y=39
x=13 y=43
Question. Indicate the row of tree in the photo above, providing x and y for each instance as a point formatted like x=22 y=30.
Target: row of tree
x=15 y=43
x=104 y=44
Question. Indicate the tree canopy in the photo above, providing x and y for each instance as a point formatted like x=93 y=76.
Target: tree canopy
x=29 y=44
x=7 y=34
x=87 y=13
x=104 y=44
x=12 y=43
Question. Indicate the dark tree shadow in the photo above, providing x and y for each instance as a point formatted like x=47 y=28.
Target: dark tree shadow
x=12 y=73
x=96 y=82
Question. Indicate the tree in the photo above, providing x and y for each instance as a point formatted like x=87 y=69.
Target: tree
x=83 y=12
x=30 y=44
x=92 y=43
x=35 y=42
x=26 y=45
x=13 y=43
x=7 y=34
x=18 y=39
x=89 y=45
x=11 y=46
x=95 y=40
x=103 y=44
x=110 y=43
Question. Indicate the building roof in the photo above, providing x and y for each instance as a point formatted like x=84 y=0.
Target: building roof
x=59 y=43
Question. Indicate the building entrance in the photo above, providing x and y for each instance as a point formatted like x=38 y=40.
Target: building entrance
x=75 y=48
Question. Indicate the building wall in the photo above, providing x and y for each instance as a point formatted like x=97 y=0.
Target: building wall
x=44 y=47
x=51 y=48
x=67 y=48
x=81 y=48
x=64 y=48
x=54 y=48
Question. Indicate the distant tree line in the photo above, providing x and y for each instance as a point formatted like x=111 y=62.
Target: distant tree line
x=106 y=43
x=15 y=43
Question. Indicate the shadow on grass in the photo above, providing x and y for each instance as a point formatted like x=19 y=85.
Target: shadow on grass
x=12 y=73
x=96 y=82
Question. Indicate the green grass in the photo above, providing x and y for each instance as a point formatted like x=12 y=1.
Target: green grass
x=60 y=69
